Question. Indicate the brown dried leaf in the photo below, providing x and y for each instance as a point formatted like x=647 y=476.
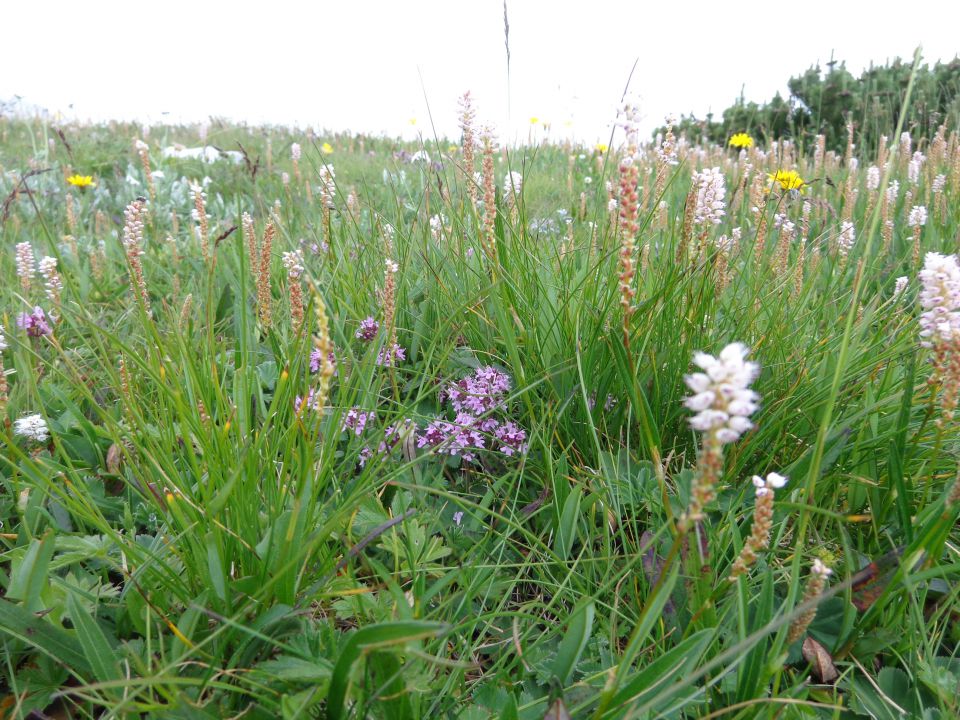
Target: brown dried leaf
x=114 y=457
x=557 y=711
x=821 y=662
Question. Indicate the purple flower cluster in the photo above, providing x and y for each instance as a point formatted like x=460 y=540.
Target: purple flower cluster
x=316 y=356
x=392 y=436
x=478 y=393
x=471 y=397
x=35 y=323
x=356 y=420
x=368 y=329
x=391 y=356
x=311 y=402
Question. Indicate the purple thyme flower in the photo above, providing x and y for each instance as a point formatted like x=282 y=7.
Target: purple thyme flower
x=392 y=356
x=478 y=393
x=368 y=329
x=35 y=323
x=356 y=420
x=315 y=356
x=512 y=439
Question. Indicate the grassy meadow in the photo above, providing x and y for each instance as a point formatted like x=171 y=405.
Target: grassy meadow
x=347 y=427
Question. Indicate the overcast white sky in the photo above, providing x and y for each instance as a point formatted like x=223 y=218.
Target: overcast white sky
x=374 y=65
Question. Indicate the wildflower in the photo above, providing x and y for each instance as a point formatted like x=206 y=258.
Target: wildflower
x=467 y=115
x=940 y=325
x=293 y=262
x=356 y=421
x=390 y=357
x=816 y=584
x=711 y=190
x=479 y=393
x=295 y=152
x=915 y=166
x=326 y=148
x=873 y=177
x=35 y=322
x=316 y=360
x=26 y=264
x=32 y=427
x=328 y=186
x=367 y=330
x=534 y=120
x=723 y=403
x=133 y=243
x=846 y=238
x=52 y=282
x=3 y=340
x=917 y=216
x=893 y=191
x=940 y=299
x=722 y=399
x=938 y=182
x=787 y=180
x=458 y=517
x=600 y=148
x=511 y=438
x=741 y=141
x=81 y=181
x=900 y=286
x=759 y=539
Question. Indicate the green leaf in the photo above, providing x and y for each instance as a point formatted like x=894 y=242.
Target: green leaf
x=567 y=529
x=40 y=634
x=104 y=661
x=663 y=671
x=574 y=642
x=370 y=638
x=28 y=576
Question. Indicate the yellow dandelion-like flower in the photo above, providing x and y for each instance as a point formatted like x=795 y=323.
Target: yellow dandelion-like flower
x=326 y=148
x=601 y=148
x=787 y=180
x=741 y=141
x=534 y=120
x=412 y=121
x=452 y=149
x=81 y=181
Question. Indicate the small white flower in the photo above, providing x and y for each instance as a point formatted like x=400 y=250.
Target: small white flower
x=873 y=177
x=512 y=183
x=939 y=298
x=3 y=341
x=846 y=238
x=900 y=286
x=774 y=481
x=295 y=152
x=32 y=427
x=711 y=190
x=722 y=399
x=917 y=216
x=820 y=569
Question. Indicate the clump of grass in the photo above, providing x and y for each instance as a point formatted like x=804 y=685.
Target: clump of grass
x=441 y=490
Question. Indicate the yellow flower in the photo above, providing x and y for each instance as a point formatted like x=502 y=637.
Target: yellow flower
x=534 y=120
x=600 y=148
x=412 y=121
x=81 y=181
x=452 y=149
x=326 y=148
x=787 y=180
x=742 y=141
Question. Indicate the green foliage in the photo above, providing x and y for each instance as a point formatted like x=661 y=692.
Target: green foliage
x=822 y=102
